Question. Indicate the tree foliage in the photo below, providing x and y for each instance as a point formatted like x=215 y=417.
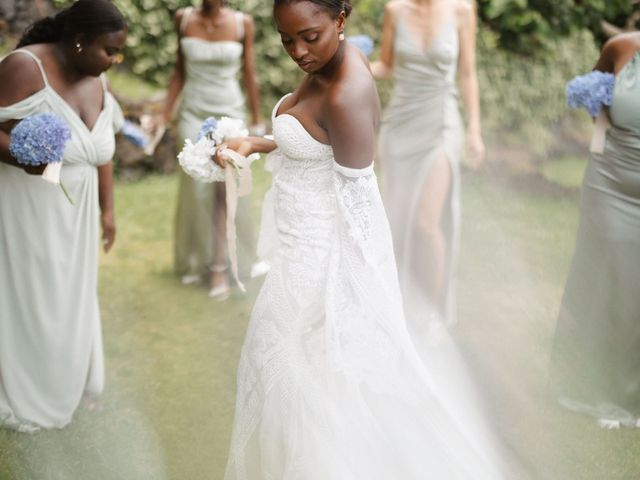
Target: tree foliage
x=523 y=44
x=525 y=27
x=531 y=26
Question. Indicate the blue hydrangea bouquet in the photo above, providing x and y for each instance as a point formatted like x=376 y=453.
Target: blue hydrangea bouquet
x=40 y=140
x=135 y=134
x=591 y=91
x=363 y=42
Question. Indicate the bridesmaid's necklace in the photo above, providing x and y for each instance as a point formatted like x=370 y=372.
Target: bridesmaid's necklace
x=210 y=27
x=209 y=23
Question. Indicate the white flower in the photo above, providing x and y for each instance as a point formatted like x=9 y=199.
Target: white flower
x=196 y=160
x=230 y=128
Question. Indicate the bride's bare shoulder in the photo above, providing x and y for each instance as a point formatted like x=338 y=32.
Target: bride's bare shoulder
x=356 y=86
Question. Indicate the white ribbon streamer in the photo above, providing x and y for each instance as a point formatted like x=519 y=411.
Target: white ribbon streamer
x=238 y=183
x=52 y=172
x=599 y=137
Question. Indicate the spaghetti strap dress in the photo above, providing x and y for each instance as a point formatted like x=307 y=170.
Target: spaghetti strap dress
x=50 y=335
x=211 y=89
x=421 y=123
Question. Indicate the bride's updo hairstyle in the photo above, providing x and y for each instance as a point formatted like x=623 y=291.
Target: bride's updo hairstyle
x=334 y=6
x=89 y=18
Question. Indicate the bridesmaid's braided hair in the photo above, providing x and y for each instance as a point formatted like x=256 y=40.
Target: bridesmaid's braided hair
x=334 y=6
x=88 y=17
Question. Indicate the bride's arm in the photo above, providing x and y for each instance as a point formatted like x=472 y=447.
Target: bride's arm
x=351 y=116
x=245 y=146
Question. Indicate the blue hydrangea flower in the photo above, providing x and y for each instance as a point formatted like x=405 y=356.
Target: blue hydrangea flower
x=591 y=91
x=39 y=139
x=363 y=42
x=134 y=133
x=207 y=127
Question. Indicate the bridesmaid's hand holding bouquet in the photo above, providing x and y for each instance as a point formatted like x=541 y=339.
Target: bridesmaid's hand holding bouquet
x=39 y=141
x=591 y=91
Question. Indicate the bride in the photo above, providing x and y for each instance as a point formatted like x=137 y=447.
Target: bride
x=330 y=386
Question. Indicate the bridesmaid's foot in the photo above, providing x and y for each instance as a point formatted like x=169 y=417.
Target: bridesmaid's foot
x=220 y=289
x=608 y=424
x=190 y=279
x=91 y=403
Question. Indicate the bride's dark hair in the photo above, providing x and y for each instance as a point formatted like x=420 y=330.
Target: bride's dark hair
x=334 y=6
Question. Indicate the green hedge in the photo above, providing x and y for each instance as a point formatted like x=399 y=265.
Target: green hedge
x=152 y=41
x=522 y=96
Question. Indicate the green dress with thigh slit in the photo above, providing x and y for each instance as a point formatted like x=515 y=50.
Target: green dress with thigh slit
x=421 y=124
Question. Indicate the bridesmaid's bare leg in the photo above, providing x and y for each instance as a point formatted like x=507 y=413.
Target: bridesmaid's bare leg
x=433 y=242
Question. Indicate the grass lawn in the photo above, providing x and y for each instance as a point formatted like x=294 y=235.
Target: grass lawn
x=171 y=352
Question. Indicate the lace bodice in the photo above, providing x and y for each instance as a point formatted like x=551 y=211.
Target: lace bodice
x=305 y=203
x=307 y=181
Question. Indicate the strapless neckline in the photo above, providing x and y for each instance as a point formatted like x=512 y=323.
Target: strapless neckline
x=209 y=42
x=301 y=127
x=275 y=116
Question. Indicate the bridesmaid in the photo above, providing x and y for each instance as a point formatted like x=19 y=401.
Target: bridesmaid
x=50 y=336
x=215 y=43
x=596 y=352
x=423 y=44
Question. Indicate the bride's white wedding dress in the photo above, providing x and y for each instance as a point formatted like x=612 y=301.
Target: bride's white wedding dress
x=330 y=385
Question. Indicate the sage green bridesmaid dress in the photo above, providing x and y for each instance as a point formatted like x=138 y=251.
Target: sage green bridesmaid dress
x=50 y=335
x=211 y=89
x=596 y=352
x=421 y=123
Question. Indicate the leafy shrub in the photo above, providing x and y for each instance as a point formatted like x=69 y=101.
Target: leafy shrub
x=523 y=97
x=152 y=40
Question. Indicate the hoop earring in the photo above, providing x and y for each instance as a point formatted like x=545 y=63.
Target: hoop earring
x=79 y=47
x=341 y=36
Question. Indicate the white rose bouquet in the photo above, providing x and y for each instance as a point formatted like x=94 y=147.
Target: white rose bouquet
x=196 y=158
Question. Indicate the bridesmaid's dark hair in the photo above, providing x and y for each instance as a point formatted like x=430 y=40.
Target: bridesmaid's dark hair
x=88 y=17
x=334 y=6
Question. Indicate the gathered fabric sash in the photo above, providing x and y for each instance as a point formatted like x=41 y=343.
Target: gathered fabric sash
x=239 y=183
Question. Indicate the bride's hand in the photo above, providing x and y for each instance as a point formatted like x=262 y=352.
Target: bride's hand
x=240 y=145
